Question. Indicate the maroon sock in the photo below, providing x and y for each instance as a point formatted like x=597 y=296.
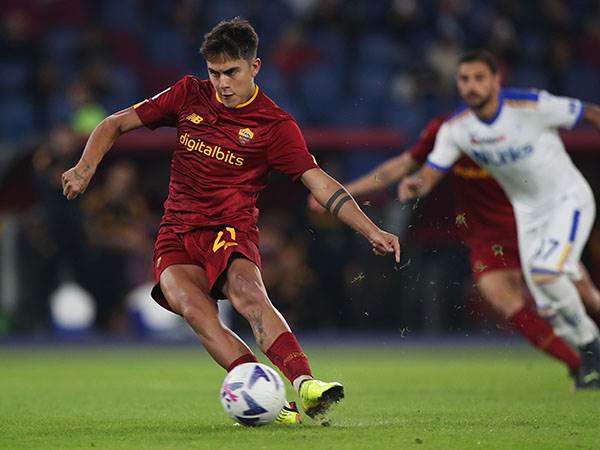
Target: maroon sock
x=539 y=332
x=288 y=356
x=247 y=358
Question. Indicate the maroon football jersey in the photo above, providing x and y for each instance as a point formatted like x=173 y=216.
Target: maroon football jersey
x=222 y=155
x=481 y=206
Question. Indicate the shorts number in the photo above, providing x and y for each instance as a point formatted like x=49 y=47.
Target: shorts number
x=220 y=242
x=552 y=245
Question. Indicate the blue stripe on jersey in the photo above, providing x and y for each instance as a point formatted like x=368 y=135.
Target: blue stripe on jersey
x=574 y=225
x=542 y=271
x=438 y=167
x=492 y=119
x=580 y=115
x=521 y=94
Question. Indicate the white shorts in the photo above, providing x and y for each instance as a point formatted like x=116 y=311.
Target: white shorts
x=551 y=241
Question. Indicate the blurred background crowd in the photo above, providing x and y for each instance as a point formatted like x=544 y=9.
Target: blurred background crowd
x=378 y=67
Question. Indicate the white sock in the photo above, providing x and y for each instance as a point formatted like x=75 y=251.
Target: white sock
x=575 y=325
x=298 y=381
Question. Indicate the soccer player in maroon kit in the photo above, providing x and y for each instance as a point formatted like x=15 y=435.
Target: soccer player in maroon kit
x=486 y=225
x=230 y=135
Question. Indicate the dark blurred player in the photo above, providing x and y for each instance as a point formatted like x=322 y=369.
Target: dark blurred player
x=485 y=222
x=230 y=135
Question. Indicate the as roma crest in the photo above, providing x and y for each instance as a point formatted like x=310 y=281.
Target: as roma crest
x=245 y=135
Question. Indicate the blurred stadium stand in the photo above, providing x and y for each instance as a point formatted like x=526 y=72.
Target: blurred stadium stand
x=360 y=76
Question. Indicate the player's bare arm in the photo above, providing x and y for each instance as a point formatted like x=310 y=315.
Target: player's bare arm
x=592 y=115
x=419 y=184
x=76 y=179
x=335 y=198
x=382 y=176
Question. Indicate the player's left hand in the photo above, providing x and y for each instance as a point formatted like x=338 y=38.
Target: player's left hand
x=384 y=243
x=409 y=188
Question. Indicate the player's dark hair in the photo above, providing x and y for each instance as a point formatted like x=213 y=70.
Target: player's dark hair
x=230 y=39
x=480 y=56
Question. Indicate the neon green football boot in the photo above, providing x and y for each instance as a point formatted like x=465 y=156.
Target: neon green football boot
x=289 y=415
x=316 y=397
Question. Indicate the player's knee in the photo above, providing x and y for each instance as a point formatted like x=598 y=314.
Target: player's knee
x=246 y=295
x=503 y=290
x=188 y=310
x=183 y=304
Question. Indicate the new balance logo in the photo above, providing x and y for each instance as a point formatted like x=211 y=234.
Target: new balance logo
x=195 y=118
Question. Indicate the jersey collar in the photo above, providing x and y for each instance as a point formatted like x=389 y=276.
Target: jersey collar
x=492 y=119
x=241 y=105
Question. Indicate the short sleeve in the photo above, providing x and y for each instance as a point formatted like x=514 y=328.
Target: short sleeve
x=424 y=145
x=288 y=152
x=559 y=112
x=162 y=110
x=445 y=152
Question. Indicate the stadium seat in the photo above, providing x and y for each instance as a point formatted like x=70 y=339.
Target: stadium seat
x=125 y=90
x=14 y=75
x=61 y=43
x=372 y=83
x=581 y=81
x=272 y=83
x=224 y=9
x=321 y=90
x=379 y=49
x=355 y=111
x=331 y=45
x=528 y=76
x=17 y=118
x=120 y=13
x=358 y=162
x=168 y=46
x=408 y=116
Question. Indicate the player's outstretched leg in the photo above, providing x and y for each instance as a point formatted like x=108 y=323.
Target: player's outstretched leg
x=245 y=288
x=185 y=289
x=504 y=290
x=571 y=321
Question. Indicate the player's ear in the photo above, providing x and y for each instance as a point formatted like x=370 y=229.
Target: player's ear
x=255 y=66
x=497 y=80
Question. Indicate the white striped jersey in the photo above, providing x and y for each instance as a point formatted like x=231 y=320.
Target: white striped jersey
x=520 y=146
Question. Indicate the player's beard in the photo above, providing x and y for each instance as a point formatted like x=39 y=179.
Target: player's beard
x=476 y=101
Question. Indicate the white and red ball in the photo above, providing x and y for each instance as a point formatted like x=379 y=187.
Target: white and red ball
x=253 y=394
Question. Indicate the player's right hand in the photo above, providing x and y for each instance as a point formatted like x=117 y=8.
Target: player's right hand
x=384 y=243
x=409 y=188
x=75 y=181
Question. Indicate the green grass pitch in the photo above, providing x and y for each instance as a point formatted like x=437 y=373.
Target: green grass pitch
x=397 y=396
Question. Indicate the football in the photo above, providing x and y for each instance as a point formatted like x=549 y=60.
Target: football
x=253 y=394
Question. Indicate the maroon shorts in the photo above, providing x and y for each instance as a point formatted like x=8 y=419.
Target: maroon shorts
x=210 y=248
x=487 y=255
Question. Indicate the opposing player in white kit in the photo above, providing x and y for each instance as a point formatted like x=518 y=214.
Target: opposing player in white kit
x=514 y=135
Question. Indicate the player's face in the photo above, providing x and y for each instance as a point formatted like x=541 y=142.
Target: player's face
x=233 y=79
x=477 y=84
